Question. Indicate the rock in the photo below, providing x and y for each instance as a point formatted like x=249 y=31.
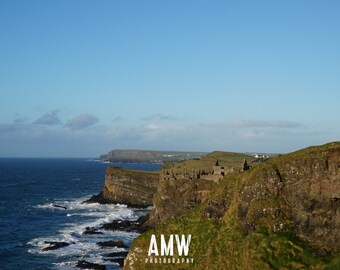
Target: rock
x=54 y=245
x=88 y=265
x=111 y=243
x=118 y=225
x=117 y=254
x=96 y=199
x=120 y=261
x=59 y=206
x=141 y=220
x=91 y=230
x=126 y=225
x=131 y=187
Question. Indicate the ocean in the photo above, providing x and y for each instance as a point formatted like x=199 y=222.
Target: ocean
x=30 y=190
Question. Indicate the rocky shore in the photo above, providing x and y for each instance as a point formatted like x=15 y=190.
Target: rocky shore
x=110 y=257
x=121 y=186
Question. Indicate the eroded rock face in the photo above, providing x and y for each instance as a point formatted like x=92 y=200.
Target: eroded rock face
x=312 y=194
x=299 y=191
x=125 y=186
x=176 y=195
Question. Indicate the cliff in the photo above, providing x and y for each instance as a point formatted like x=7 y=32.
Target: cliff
x=147 y=156
x=175 y=196
x=126 y=186
x=281 y=214
x=184 y=185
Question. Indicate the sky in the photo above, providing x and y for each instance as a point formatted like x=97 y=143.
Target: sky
x=79 y=78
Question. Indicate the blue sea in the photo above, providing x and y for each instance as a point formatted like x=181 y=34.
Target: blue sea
x=29 y=191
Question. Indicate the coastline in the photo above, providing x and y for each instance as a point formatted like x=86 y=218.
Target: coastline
x=41 y=207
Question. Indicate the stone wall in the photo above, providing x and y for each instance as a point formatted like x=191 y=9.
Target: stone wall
x=179 y=192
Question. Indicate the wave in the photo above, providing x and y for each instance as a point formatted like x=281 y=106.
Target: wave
x=79 y=217
x=99 y=161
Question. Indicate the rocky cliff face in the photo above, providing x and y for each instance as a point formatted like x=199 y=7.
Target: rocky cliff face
x=302 y=190
x=310 y=195
x=282 y=214
x=125 y=186
x=186 y=184
x=176 y=194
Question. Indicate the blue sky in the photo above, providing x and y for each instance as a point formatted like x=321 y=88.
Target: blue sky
x=78 y=78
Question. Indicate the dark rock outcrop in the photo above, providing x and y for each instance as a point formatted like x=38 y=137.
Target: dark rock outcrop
x=117 y=254
x=120 y=261
x=54 y=245
x=126 y=225
x=126 y=186
x=88 y=265
x=59 y=206
x=91 y=231
x=112 y=243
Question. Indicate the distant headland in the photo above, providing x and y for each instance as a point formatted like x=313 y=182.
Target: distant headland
x=148 y=156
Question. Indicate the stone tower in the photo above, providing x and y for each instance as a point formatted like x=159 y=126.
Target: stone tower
x=245 y=166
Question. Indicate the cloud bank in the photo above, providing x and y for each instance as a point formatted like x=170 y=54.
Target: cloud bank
x=49 y=119
x=81 y=136
x=262 y=124
x=159 y=117
x=82 y=121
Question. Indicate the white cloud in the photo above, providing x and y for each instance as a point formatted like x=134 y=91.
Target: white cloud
x=43 y=140
x=82 y=121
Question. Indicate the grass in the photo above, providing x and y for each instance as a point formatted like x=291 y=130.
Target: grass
x=223 y=243
x=226 y=159
x=128 y=171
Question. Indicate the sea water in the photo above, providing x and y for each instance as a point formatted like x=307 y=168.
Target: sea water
x=29 y=191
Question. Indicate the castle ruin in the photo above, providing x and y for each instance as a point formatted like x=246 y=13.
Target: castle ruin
x=217 y=174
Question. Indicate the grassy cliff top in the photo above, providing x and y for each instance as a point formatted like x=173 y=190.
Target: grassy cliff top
x=307 y=153
x=226 y=159
x=148 y=156
x=121 y=170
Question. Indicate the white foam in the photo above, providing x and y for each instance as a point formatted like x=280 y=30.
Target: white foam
x=90 y=207
x=79 y=217
x=47 y=205
x=66 y=265
x=99 y=161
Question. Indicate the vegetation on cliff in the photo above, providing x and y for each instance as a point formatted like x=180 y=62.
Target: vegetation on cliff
x=206 y=163
x=185 y=184
x=282 y=214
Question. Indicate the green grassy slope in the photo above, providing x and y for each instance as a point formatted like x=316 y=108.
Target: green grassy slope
x=226 y=159
x=248 y=221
